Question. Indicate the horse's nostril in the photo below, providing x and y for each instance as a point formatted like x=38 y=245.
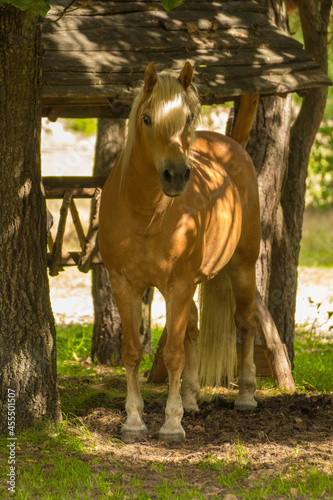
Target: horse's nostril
x=187 y=175
x=167 y=176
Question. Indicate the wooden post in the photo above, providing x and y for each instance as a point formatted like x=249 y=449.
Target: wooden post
x=273 y=347
x=244 y=119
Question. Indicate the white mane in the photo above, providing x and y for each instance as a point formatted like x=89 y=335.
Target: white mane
x=169 y=107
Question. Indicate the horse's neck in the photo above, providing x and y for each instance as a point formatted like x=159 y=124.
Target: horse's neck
x=141 y=186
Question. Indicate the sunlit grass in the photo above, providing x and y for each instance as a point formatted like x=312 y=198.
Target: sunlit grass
x=313 y=362
x=317 y=239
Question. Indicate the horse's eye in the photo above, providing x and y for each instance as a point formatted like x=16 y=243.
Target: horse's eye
x=146 y=120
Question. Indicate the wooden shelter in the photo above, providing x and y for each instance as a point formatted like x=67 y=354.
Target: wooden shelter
x=95 y=55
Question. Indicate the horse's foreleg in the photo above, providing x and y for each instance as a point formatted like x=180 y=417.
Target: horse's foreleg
x=243 y=283
x=177 y=313
x=129 y=305
x=190 y=387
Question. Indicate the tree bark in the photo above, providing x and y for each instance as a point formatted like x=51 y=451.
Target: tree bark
x=27 y=331
x=288 y=228
x=268 y=148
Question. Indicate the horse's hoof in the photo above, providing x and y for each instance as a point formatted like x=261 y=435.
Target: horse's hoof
x=192 y=410
x=171 y=437
x=245 y=402
x=133 y=436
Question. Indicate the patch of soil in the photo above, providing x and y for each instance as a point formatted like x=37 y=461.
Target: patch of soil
x=283 y=430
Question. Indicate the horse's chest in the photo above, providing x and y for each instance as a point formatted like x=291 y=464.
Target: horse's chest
x=157 y=254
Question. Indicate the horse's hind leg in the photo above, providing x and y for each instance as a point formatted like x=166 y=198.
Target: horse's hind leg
x=129 y=305
x=190 y=387
x=244 y=285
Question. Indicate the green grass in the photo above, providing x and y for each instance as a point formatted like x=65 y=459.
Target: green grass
x=300 y=480
x=50 y=464
x=65 y=462
x=73 y=344
x=56 y=463
x=313 y=362
x=317 y=239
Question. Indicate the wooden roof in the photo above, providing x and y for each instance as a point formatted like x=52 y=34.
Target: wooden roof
x=95 y=56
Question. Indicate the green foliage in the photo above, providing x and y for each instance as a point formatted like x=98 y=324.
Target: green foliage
x=38 y=7
x=86 y=126
x=319 y=193
x=172 y=4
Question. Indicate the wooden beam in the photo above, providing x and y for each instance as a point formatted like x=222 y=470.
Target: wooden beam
x=80 y=187
x=77 y=224
x=71 y=259
x=273 y=347
x=91 y=239
x=54 y=113
x=244 y=119
x=55 y=264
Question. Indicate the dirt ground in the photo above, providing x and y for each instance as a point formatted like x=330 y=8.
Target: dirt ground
x=283 y=432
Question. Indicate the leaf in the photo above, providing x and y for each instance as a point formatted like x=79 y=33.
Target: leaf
x=172 y=4
x=38 y=7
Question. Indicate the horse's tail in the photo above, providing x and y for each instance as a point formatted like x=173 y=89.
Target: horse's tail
x=217 y=355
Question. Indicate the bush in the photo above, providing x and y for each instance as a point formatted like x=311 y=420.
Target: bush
x=319 y=183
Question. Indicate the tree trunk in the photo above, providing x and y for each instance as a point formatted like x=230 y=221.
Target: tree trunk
x=268 y=148
x=288 y=228
x=27 y=331
x=107 y=332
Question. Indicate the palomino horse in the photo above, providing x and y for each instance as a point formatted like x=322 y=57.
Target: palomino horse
x=177 y=208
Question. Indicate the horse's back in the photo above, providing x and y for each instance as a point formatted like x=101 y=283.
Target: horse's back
x=220 y=153
x=227 y=154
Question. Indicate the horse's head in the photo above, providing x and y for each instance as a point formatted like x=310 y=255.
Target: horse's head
x=166 y=115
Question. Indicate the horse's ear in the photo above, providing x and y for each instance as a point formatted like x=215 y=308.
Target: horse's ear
x=186 y=75
x=150 y=78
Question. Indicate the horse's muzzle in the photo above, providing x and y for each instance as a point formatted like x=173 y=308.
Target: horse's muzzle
x=174 y=177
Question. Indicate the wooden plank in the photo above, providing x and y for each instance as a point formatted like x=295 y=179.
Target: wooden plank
x=79 y=187
x=201 y=75
x=209 y=19
x=114 y=7
x=219 y=88
x=169 y=57
x=141 y=39
x=174 y=20
x=89 y=111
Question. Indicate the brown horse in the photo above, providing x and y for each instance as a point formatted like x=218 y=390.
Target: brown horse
x=179 y=207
